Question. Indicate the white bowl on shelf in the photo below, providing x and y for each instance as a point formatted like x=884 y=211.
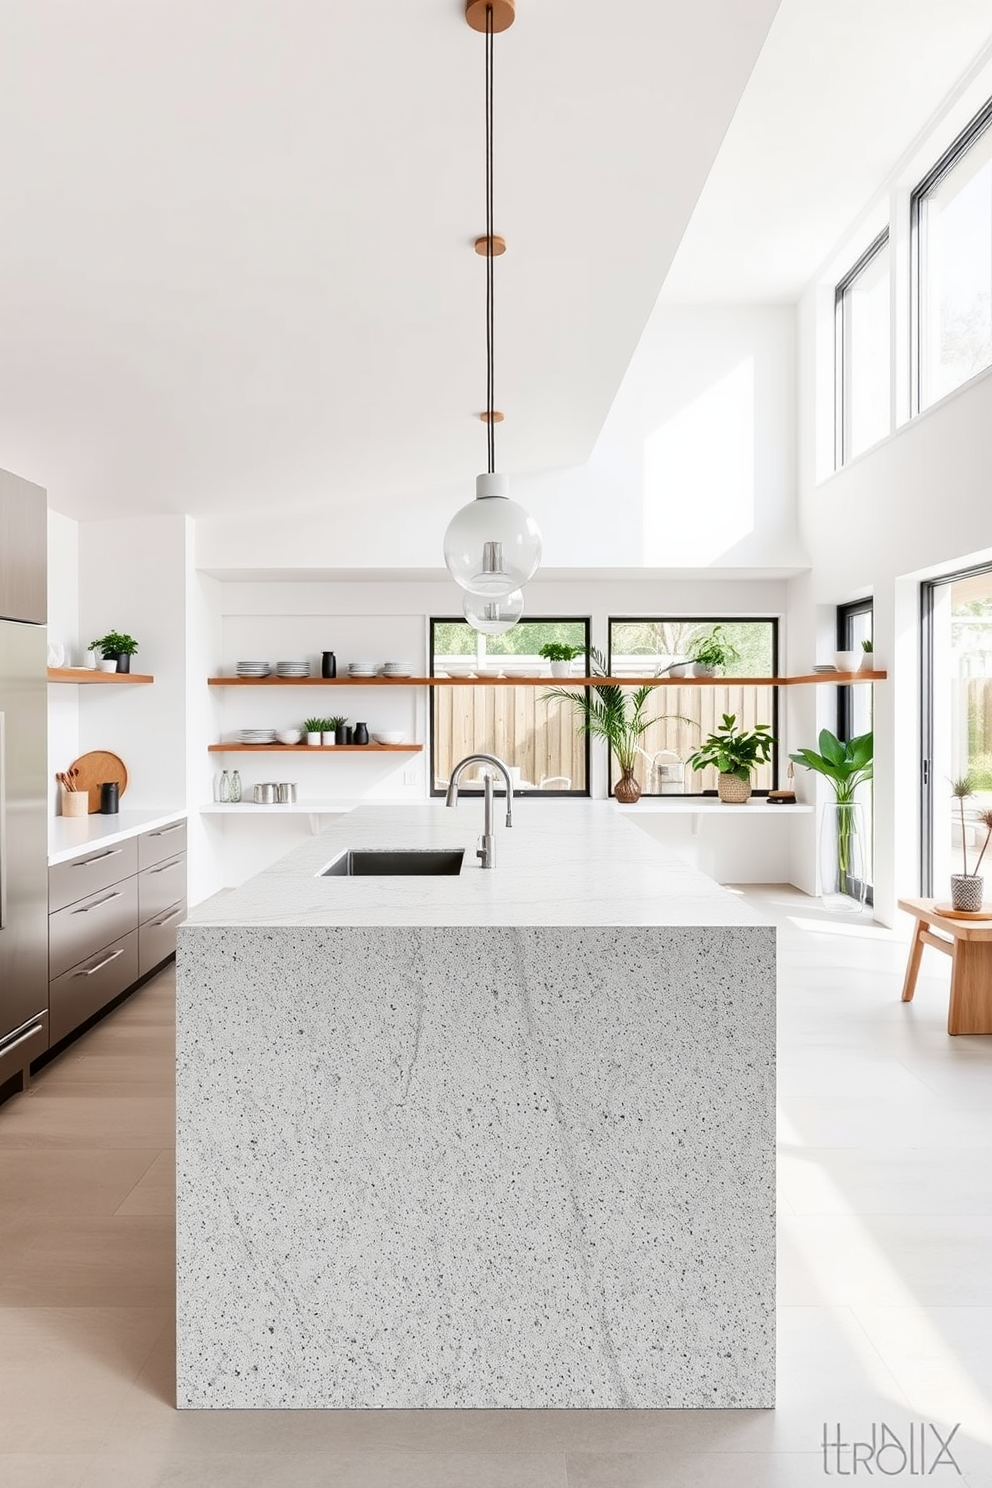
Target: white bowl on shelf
x=393 y=736
x=288 y=736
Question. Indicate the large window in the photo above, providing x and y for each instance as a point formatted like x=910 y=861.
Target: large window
x=539 y=741
x=864 y=357
x=855 y=625
x=683 y=716
x=952 y=226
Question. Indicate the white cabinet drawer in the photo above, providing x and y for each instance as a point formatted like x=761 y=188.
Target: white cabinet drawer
x=160 y=887
x=157 y=937
x=79 y=877
x=86 y=988
x=77 y=931
x=160 y=843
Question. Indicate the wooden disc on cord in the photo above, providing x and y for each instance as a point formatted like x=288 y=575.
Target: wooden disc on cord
x=497 y=416
x=504 y=12
x=481 y=246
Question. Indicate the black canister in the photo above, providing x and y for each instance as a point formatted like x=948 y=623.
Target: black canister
x=342 y=734
x=110 y=798
x=361 y=733
x=348 y=732
x=328 y=665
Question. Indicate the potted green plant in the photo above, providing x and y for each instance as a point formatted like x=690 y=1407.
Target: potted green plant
x=736 y=753
x=712 y=653
x=967 y=889
x=330 y=727
x=116 y=647
x=867 y=655
x=561 y=655
x=844 y=764
x=313 y=728
x=607 y=711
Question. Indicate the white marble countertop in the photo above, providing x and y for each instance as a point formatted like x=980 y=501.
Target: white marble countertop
x=563 y=863
x=70 y=835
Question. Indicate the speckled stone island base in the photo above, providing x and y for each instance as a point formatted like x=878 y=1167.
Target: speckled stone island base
x=476 y=1167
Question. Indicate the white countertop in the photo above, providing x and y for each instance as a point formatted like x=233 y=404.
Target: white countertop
x=563 y=863
x=70 y=835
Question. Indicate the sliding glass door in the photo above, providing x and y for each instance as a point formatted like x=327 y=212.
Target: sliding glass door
x=957 y=718
x=855 y=625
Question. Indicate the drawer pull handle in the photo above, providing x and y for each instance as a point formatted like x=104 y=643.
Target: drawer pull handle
x=106 y=962
x=112 y=852
x=162 y=830
x=97 y=903
x=29 y=1033
x=171 y=916
x=166 y=867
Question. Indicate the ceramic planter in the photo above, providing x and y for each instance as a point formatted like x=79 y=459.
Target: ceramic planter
x=967 y=892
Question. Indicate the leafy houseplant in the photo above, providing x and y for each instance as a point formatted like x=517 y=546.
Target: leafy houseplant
x=117 y=647
x=561 y=655
x=846 y=765
x=712 y=652
x=607 y=712
x=736 y=753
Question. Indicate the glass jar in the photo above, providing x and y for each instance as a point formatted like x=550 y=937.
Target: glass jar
x=842 y=855
x=235 y=787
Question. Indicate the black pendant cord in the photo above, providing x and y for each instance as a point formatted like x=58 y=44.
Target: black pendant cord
x=490 y=285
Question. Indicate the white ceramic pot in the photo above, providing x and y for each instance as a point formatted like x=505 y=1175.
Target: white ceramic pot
x=560 y=668
x=699 y=670
x=314 y=740
x=107 y=663
x=847 y=661
x=867 y=661
x=327 y=738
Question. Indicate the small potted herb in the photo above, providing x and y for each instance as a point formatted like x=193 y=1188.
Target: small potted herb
x=868 y=656
x=736 y=753
x=330 y=728
x=712 y=653
x=313 y=728
x=116 y=648
x=561 y=655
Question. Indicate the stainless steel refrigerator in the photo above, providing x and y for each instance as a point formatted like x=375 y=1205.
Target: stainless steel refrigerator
x=23 y=848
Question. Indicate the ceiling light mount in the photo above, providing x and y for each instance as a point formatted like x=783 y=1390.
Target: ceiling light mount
x=504 y=14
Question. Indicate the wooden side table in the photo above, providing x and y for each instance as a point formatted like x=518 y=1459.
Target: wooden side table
x=970 y=950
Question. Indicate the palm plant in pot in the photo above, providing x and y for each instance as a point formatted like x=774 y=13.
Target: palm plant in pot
x=844 y=764
x=967 y=889
x=608 y=711
x=736 y=753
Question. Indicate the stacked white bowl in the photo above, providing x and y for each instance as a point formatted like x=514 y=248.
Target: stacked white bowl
x=292 y=669
x=397 y=669
x=257 y=736
x=362 y=668
x=253 y=669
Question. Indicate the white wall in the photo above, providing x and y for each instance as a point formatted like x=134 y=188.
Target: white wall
x=695 y=466
x=63 y=630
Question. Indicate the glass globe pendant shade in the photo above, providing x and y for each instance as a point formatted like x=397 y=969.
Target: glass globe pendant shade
x=492 y=545
x=493 y=616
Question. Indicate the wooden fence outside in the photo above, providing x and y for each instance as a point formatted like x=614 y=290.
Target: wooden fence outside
x=542 y=738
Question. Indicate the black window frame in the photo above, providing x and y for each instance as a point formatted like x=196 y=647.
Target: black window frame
x=545 y=795
x=773 y=683
x=938 y=172
x=842 y=433
x=845 y=614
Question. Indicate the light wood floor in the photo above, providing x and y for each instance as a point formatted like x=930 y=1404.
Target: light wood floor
x=885 y=1273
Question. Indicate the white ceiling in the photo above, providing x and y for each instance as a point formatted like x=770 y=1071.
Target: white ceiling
x=840 y=92
x=235 y=262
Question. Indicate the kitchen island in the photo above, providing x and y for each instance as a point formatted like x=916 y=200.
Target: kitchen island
x=503 y=1138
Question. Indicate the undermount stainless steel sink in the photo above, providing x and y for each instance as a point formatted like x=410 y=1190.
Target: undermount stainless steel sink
x=371 y=862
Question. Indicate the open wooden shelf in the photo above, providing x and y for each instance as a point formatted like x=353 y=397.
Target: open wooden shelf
x=315 y=748
x=834 y=678
x=93 y=674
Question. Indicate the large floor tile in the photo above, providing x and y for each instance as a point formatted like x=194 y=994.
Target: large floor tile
x=703 y=1470
x=42 y=1469
x=53 y=1181
x=97 y=1261
x=885 y=1180
x=155 y=1190
x=349 y=1469
x=76 y=1120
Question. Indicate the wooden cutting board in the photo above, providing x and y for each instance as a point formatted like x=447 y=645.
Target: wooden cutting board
x=92 y=769
x=950 y=913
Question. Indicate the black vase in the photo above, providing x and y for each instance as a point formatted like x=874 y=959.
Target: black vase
x=342 y=734
x=328 y=665
x=110 y=798
x=123 y=663
x=361 y=733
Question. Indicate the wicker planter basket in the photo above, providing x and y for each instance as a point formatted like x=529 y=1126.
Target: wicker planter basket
x=733 y=790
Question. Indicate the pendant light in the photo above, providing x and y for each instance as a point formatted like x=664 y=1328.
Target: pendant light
x=493 y=616
x=492 y=545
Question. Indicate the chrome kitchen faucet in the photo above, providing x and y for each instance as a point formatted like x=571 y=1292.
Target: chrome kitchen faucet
x=486 y=851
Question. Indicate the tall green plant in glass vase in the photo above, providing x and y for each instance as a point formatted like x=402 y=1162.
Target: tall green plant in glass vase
x=608 y=711
x=844 y=764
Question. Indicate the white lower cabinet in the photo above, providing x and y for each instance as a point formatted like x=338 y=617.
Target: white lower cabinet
x=118 y=929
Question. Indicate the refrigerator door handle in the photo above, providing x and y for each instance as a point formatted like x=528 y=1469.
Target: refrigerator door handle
x=3 y=822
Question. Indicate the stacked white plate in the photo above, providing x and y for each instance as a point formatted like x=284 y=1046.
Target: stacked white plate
x=257 y=736
x=362 y=669
x=253 y=668
x=292 y=669
x=397 y=669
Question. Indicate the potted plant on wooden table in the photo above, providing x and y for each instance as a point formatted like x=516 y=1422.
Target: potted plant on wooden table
x=115 y=647
x=608 y=711
x=561 y=655
x=736 y=754
x=845 y=764
x=968 y=889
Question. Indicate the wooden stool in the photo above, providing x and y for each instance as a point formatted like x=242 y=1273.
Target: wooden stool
x=970 y=950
